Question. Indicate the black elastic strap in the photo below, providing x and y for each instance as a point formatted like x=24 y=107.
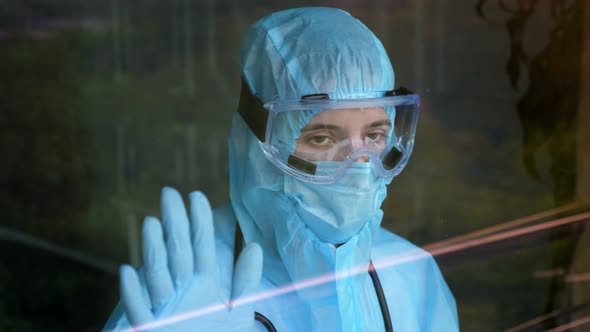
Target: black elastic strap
x=253 y=113
x=381 y=297
x=401 y=91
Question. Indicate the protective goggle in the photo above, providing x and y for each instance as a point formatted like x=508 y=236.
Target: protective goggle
x=316 y=139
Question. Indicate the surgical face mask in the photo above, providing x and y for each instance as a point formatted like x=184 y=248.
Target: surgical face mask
x=338 y=211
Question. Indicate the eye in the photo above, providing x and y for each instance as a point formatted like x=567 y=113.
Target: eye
x=376 y=136
x=319 y=140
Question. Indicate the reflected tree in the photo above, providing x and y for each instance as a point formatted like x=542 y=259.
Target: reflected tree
x=550 y=103
x=549 y=106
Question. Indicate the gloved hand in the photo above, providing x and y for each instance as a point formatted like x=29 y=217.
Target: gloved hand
x=182 y=277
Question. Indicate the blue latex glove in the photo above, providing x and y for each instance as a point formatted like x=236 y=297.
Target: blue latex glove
x=182 y=276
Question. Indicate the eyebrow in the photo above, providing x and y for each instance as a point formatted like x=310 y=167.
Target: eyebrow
x=379 y=124
x=319 y=126
x=334 y=127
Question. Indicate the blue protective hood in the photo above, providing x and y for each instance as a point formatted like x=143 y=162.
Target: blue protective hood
x=302 y=51
x=283 y=56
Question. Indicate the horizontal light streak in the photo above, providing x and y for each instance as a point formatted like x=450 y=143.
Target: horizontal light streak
x=386 y=262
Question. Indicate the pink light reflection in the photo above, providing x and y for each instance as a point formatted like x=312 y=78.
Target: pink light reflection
x=568 y=326
x=379 y=264
x=323 y=279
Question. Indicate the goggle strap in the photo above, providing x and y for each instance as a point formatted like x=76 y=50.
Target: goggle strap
x=401 y=91
x=256 y=116
x=302 y=165
x=252 y=111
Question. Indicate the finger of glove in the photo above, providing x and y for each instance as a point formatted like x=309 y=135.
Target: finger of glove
x=202 y=233
x=247 y=272
x=157 y=275
x=137 y=307
x=176 y=225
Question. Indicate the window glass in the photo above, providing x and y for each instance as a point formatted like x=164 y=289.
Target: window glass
x=102 y=103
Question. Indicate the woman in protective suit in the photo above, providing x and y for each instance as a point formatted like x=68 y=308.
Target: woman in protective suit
x=319 y=134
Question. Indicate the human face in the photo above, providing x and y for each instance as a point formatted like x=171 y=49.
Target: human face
x=326 y=130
